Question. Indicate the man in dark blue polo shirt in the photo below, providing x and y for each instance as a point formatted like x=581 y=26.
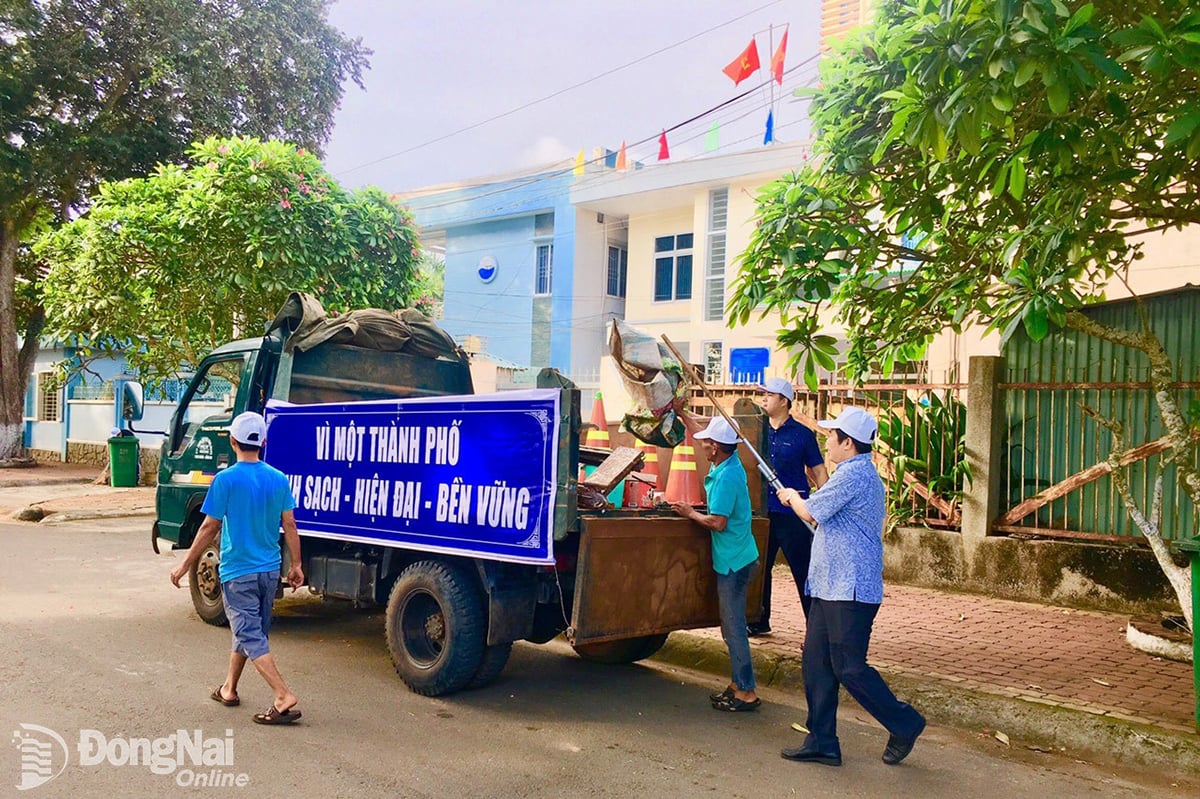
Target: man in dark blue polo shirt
x=793 y=453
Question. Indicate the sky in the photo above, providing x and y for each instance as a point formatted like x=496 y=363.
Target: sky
x=483 y=68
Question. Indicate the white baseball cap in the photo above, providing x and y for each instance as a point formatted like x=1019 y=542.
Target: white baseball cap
x=779 y=385
x=720 y=431
x=248 y=428
x=854 y=422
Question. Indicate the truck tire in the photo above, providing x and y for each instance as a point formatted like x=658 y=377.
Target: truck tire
x=204 y=581
x=436 y=627
x=494 y=659
x=625 y=650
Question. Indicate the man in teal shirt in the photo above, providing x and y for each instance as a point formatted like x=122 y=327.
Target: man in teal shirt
x=249 y=501
x=734 y=553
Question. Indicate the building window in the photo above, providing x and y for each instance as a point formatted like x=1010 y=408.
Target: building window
x=49 y=406
x=618 y=271
x=673 y=267
x=714 y=363
x=714 y=273
x=545 y=269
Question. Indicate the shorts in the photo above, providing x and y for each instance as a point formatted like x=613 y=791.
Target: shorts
x=248 y=603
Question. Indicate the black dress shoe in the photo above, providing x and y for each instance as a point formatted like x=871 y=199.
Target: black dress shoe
x=898 y=748
x=808 y=754
x=755 y=630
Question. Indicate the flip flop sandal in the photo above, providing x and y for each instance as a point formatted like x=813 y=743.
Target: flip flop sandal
x=735 y=705
x=274 y=716
x=720 y=696
x=216 y=697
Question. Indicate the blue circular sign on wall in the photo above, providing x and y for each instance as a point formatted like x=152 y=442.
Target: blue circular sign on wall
x=487 y=269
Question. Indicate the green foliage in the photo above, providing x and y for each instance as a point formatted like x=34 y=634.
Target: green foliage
x=429 y=291
x=104 y=89
x=190 y=257
x=927 y=440
x=982 y=162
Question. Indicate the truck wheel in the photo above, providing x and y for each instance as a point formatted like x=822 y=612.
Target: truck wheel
x=204 y=580
x=494 y=659
x=436 y=627
x=625 y=650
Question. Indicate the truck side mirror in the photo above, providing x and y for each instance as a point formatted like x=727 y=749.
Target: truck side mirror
x=132 y=400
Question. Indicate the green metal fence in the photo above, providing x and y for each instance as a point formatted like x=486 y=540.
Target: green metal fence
x=1050 y=439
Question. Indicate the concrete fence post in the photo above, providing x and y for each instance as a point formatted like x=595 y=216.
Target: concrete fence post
x=985 y=428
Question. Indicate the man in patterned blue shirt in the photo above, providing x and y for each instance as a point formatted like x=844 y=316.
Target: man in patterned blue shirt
x=845 y=581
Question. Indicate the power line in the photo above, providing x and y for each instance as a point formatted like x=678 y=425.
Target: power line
x=552 y=95
x=558 y=173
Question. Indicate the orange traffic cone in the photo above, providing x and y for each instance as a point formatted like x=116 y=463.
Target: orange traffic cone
x=637 y=493
x=683 y=484
x=597 y=435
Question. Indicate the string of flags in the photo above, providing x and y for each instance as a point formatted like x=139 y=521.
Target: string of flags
x=740 y=68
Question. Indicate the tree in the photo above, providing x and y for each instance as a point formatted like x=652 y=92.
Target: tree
x=987 y=162
x=101 y=89
x=430 y=292
x=167 y=267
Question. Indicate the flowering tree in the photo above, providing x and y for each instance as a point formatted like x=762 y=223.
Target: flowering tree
x=167 y=267
x=992 y=163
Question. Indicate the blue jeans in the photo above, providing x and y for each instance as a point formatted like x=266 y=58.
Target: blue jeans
x=731 y=595
x=835 y=653
x=248 y=603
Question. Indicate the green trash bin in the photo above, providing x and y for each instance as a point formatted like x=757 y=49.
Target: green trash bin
x=123 y=454
x=1192 y=547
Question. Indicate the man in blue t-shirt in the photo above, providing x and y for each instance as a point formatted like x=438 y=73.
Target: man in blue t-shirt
x=734 y=552
x=247 y=503
x=794 y=454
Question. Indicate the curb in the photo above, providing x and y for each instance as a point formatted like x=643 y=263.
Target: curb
x=47 y=481
x=84 y=515
x=1036 y=725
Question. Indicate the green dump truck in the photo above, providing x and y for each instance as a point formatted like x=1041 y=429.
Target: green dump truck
x=398 y=476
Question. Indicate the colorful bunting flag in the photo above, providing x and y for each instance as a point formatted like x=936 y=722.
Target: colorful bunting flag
x=622 y=164
x=579 y=164
x=610 y=158
x=711 y=141
x=744 y=65
x=770 y=135
x=777 y=59
x=663 y=151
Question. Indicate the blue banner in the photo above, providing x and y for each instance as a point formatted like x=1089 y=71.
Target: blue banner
x=465 y=475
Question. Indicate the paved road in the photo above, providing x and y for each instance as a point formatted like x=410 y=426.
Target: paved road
x=95 y=638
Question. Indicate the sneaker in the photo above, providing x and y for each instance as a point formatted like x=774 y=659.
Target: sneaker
x=898 y=748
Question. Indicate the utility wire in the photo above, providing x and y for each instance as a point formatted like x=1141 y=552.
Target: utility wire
x=557 y=173
x=552 y=95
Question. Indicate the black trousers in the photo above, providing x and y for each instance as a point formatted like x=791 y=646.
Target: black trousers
x=791 y=536
x=835 y=653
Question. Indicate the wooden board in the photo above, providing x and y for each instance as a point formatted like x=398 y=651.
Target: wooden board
x=619 y=463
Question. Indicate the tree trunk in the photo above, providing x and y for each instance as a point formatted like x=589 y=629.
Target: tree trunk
x=1181 y=453
x=13 y=378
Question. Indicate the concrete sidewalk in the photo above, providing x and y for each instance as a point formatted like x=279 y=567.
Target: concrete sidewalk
x=1047 y=678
